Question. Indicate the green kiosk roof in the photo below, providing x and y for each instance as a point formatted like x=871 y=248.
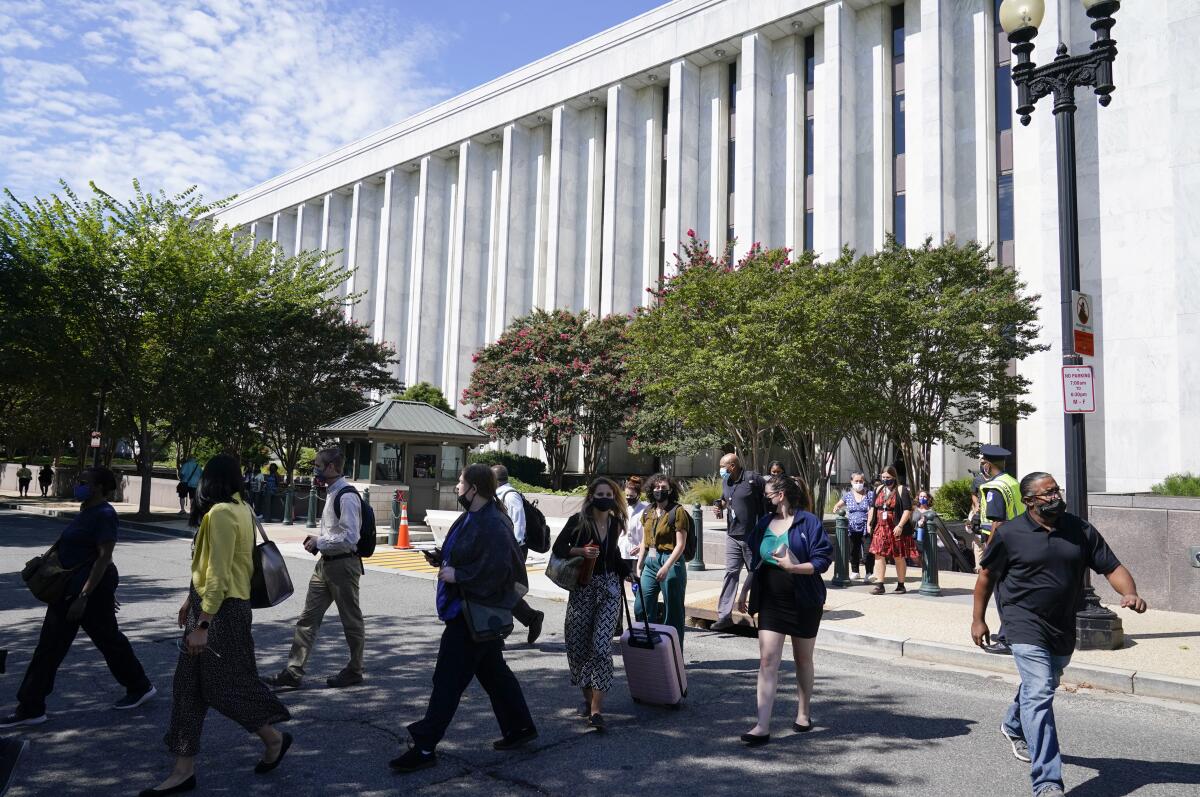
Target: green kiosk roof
x=405 y=421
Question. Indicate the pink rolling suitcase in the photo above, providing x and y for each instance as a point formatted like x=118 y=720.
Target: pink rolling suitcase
x=653 y=662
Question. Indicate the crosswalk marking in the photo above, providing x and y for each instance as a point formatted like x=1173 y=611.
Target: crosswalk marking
x=414 y=561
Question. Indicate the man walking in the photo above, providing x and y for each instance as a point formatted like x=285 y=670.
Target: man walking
x=335 y=579
x=189 y=480
x=1039 y=559
x=523 y=613
x=742 y=505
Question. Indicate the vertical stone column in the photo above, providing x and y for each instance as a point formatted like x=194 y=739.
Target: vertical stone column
x=562 y=158
x=713 y=167
x=427 y=292
x=651 y=120
x=576 y=197
x=351 y=250
x=619 y=169
x=337 y=233
x=753 y=66
x=790 y=81
x=835 y=96
x=593 y=129
x=395 y=262
x=366 y=247
x=923 y=122
x=381 y=264
x=497 y=309
x=876 y=155
x=683 y=156
x=984 y=57
x=284 y=232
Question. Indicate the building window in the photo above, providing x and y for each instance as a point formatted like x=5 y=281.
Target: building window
x=1005 y=229
x=899 y=176
x=810 y=74
x=730 y=166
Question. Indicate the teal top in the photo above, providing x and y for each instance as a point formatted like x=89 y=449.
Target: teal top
x=770 y=542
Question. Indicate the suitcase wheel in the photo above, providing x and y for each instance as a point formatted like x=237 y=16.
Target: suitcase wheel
x=677 y=706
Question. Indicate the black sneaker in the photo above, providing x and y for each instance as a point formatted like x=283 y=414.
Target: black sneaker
x=284 y=679
x=413 y=760
x=515 y=740
x=596 y=721
x=535 y=628
x=343 y=679
x=998 y=647
x=1020 y=750
x=135 y=699
x=22 y=717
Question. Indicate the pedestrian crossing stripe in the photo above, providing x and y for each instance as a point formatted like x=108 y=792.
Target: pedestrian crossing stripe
x=413 y=561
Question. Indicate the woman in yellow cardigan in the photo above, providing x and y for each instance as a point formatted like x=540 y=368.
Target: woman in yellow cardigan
x=216 y=662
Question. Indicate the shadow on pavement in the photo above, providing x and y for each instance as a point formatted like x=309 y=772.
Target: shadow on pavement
x=1116 y=777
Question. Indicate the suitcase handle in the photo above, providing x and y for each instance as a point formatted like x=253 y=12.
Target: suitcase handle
x=651 y=636
x=645 y=611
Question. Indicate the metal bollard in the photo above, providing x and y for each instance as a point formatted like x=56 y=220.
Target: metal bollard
x=697 y=562
x=288 y=500
x=841 y=562
x=929 y=573
x=311 y=522
x=394 y=526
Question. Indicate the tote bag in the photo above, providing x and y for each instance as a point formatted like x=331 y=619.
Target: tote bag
x=45 y=576
x=270 y=585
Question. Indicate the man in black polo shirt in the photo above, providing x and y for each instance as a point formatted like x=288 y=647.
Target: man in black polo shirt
x=1039 y=560
x=742 y=505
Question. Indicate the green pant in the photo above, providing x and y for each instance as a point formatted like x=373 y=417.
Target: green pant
x=672 y=588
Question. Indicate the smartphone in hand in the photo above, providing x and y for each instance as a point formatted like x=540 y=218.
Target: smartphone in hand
x=433 y=556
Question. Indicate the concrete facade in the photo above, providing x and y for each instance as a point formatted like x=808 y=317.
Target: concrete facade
x=570 y=182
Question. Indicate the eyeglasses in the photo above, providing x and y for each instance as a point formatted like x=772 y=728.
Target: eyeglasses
x=1055 y=493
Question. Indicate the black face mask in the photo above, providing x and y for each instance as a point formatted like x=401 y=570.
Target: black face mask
x=465 y=502
x=1052 y=510
x=603 y=504
x=661 y=496
x=888 y=482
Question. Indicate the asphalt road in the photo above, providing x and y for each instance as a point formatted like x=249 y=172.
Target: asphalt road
x=883 y=728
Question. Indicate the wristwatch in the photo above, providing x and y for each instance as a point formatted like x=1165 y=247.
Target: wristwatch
x=83 y=594
x=203 y=625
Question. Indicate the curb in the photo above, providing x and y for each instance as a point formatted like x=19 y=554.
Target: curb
x=1096 y=676
x=67 y=514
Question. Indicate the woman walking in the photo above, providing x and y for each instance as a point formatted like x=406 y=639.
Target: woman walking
x=857 y=503
x=593 y=608
x=889 y=517
x=45 y=479
x=479 y=561
x=660 y=566
x=789 y=550
x=216 y=666
x=86 y=548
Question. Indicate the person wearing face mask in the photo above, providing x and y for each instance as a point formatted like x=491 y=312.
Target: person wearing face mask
x=1038 y=561
x=478 y=561
x=661 y=567
x=789 y=549
x=85 y=547
x=335 y=579
x=857 y=503
x=631 y=541
x=890 y=514
x=592 y=609
x=742 y=504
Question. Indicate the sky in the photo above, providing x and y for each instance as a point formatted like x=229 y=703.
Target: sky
x=224 y=94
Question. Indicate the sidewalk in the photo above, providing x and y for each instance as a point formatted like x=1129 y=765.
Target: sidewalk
x=1161 y=656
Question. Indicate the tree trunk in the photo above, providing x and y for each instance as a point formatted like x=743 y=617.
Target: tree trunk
x=146 y=469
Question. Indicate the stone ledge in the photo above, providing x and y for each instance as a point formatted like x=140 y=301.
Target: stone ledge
x=958 y=656
x=880 y=643
x=1114 y=679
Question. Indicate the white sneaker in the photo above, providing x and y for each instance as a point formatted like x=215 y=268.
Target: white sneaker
x=870 y=579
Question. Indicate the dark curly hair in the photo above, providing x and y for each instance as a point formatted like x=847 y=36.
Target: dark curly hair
x=672 y=487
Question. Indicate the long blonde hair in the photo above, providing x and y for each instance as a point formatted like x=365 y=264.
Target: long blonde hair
x=619 y=511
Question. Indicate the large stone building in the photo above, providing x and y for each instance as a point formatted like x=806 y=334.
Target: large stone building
x=803 y=123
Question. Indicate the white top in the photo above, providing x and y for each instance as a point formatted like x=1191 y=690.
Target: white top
x=516 y=509
x=339 y=536
x=631 y=540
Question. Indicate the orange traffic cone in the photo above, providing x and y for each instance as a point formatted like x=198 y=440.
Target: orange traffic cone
x=402 y=542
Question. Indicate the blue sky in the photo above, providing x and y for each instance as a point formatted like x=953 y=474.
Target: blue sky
x=227 y=93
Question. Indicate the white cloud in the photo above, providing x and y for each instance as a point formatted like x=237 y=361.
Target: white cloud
x=222 y=93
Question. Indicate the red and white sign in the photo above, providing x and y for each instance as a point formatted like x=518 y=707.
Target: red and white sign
x=1079 y=391
x=95 y=439
x=1081 y=324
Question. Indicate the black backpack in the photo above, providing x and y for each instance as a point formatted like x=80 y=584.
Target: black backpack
x=537 y=533
x=366 y=529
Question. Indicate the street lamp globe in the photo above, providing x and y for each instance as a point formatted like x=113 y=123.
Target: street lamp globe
x=1019 y=15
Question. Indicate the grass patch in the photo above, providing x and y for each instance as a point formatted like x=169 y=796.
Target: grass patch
x=1185 y=485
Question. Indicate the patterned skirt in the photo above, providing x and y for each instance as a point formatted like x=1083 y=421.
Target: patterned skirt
x=886 y=543
x=592 y=613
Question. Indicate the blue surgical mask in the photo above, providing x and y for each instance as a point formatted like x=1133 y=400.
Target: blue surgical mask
x=83 y=492
x=724 y=473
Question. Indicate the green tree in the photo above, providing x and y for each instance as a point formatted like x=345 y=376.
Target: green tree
x=552 y=376
x=948 y=322
x=430 y=394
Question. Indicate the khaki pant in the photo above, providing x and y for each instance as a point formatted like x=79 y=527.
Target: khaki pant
x=333 y=582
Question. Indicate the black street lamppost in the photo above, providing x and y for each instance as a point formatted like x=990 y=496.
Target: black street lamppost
x=1098 y=628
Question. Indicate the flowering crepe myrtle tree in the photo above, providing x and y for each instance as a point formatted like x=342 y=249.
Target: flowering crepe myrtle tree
x=549 y=377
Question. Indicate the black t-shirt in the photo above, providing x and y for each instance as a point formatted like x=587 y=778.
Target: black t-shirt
x=1039 y=575
x=79 y=543
x=744 y=502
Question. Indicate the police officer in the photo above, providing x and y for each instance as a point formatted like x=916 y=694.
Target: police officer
x=999 y=502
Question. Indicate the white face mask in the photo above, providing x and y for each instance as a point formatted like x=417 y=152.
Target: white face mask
x=858 y=487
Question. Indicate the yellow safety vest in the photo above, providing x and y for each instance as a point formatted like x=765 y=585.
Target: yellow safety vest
x=1010 y=490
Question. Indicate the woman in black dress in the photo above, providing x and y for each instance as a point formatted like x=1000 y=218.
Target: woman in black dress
x=789 y=550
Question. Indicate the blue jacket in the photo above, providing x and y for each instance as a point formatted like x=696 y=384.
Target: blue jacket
x=808 y=542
